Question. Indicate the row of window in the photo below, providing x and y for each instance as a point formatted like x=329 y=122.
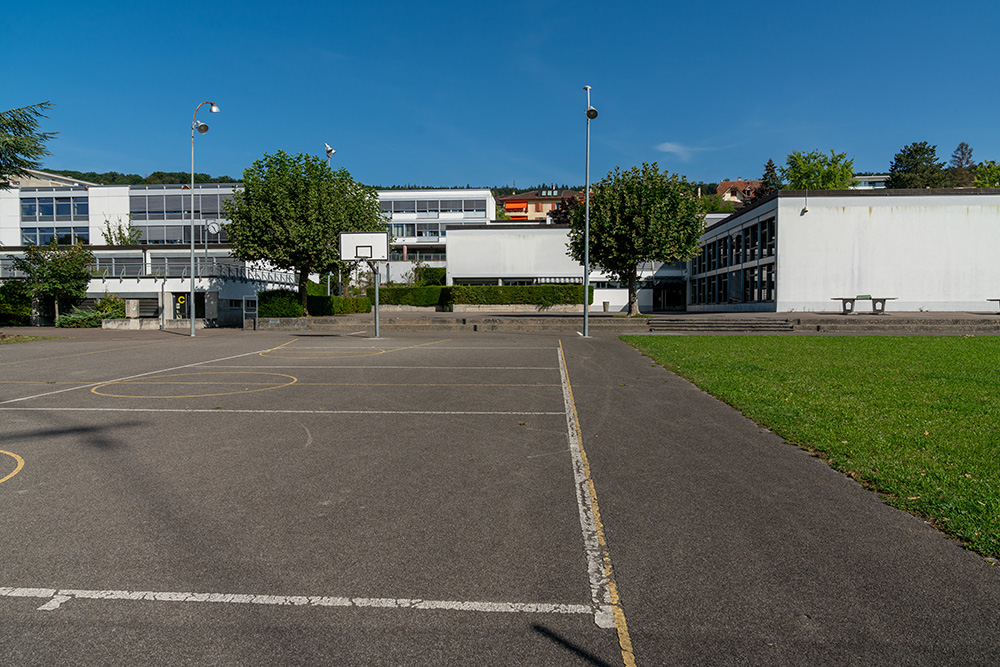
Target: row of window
x=176 y=206
x=751 y=285
x=435 y=206
x=179 y=234
x=753 y=242
x=151 y=234
x=55 y=209
x=61 y=235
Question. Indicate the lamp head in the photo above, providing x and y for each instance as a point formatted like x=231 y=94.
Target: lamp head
x=591 y=113
x=329 y=151
x=214 y=108
x=201 y=127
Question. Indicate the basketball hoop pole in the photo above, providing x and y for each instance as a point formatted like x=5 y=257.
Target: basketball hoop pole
x=374 y=268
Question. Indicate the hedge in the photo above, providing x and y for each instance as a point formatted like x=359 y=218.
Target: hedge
x=15 y=303
x=279 y=303
x=538 y=295
x=429 y=275
x=338 y=305
x=432 y=295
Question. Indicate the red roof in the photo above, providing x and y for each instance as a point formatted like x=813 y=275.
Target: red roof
x=742 y=186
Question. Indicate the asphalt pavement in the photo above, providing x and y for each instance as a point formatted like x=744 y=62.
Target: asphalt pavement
x=440 y=498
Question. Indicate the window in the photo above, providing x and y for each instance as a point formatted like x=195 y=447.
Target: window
x=29 y=209
x=451 y=205
x=477 y=205
x=46 y=209
x=404 y=206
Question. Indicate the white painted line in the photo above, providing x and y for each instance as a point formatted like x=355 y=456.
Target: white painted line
x=132 y=377
x=405 y=368
x=56 y=597
x=288 y=412
x=599 y=589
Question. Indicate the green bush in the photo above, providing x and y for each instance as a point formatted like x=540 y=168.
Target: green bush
x=424 y=276
x=82 y=319
x=15 y=303
x=111 y=306
x=338 y=305
x=542 y=296
x=411 y=296
x=279 y=303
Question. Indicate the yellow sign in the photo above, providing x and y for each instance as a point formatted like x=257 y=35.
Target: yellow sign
x=180 y=299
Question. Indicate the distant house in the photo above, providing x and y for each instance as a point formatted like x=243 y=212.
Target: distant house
x=535 y=204
x=870 y=182
x=738 y=192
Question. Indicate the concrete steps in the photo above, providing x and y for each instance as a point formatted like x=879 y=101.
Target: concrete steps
x=719 y=325
x=898 y=325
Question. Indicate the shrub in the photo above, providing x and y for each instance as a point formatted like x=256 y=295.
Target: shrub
x=82 y=319
x=411 y=296
x=429 y=275
x=15 y=303
x=279 y=303
x=111 y=306
x=338 y=305
x=543 y=296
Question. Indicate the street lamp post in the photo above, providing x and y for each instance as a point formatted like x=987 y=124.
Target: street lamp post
x=591 y=115
x=329 y=154
x=202 y=129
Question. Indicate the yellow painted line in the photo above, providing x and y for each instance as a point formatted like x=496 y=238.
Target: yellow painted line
x=225 y=393
x=624 y=640
x=341 y=353
x=83 y=354
x=20 y=464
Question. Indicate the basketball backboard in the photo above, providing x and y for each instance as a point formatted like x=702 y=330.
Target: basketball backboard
x=370 y=246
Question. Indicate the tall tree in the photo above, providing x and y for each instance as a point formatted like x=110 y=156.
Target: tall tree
x=962 y=168
x=291 y=210
x=816 y=170
x=770 y=181
x=638 y=215
x=22 y=146
x=917 y=166
x=56 y=273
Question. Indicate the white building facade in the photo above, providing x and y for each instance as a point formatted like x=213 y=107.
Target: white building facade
x=931 y=250
x=156 y=270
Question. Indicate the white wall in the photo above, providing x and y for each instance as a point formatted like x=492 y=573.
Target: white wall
x=10 y=217
x=933 y=252
x=538 y=252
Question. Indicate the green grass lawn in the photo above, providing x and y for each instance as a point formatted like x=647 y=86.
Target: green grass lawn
x=916 y=419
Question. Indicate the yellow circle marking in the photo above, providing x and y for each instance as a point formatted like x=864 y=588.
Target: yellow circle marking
x=292 y=379
x=20 y=464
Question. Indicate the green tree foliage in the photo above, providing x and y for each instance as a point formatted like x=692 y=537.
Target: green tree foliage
x=770 y=181
x=962 y=168
x=987 y=174
x=15 y=303
x=56 y=272
x=638 y=215
x=155 y=178
x=22 y=146
x=917 y=166
x=816 y=170
x=562 y=214
x=291 y=211
x=714 y=203
x=120 y=233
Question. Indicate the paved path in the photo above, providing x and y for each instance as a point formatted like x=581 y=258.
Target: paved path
x=252 y=498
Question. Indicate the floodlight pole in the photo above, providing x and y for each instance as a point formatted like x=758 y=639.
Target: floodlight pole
x=591 y=114
x=202 y=129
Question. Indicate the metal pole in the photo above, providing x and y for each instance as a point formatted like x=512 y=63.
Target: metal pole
x=374 y=267
x=191 y=297
x=586 y=229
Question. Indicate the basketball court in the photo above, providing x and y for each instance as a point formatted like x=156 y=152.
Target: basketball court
x=257 y=498
x=430 y=487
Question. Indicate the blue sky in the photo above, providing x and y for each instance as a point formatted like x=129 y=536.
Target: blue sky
x=455 y=93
